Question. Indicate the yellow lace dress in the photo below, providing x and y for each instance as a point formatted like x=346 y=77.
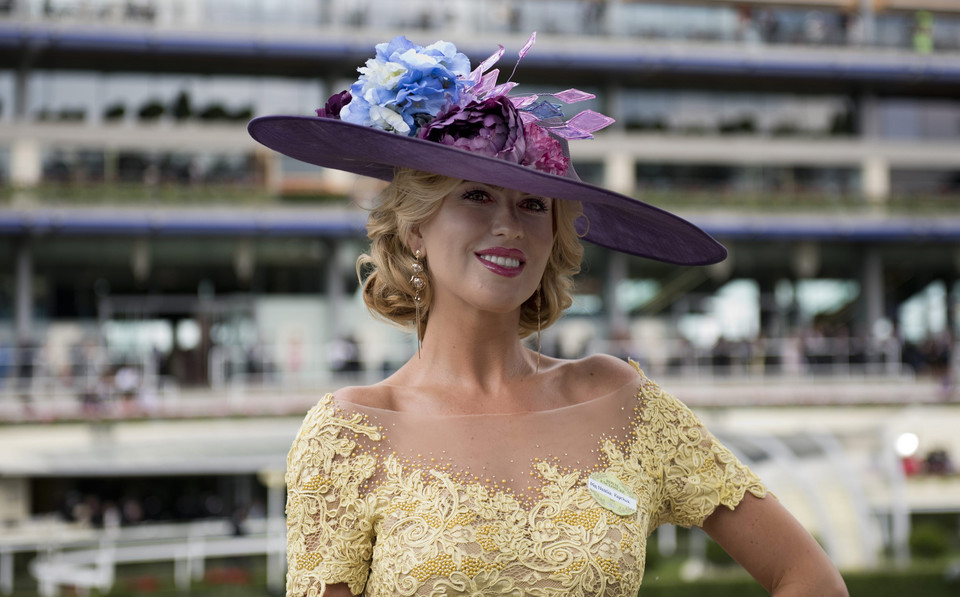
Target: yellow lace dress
x=396 y=503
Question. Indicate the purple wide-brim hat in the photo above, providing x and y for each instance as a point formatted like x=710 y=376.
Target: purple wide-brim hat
x=612 y=220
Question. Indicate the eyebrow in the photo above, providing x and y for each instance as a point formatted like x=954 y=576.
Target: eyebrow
x=494 y=187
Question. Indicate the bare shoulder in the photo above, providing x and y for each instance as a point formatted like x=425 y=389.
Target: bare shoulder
x=598 y=375
x=604 y=368
x=375 y=396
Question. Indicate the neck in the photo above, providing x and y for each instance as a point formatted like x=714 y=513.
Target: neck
x=478 y=352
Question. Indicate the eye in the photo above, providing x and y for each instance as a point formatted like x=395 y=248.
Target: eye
x=535 y=204
x=476 y=195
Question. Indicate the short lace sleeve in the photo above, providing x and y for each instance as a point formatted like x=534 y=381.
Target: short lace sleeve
x=329 y=513
x=697 y=472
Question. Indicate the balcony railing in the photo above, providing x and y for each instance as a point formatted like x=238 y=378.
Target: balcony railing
x=854 y=370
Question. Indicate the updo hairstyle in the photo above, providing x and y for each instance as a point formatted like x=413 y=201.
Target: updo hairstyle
x=412 y=198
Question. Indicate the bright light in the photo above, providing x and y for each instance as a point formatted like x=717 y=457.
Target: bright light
x=188 y=334
x=907 y=444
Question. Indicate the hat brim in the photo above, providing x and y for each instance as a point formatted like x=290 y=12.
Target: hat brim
x=614 y=221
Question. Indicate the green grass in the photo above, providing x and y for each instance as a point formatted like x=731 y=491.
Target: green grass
x=804 y=202
x=940 y=579
x=225 y=578
x=49 y=194
x=99 y=194
x=230 y=577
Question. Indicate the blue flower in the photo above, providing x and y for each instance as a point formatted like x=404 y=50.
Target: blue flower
x=407 y=85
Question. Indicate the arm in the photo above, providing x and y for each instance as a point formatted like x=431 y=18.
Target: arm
x=774 y=548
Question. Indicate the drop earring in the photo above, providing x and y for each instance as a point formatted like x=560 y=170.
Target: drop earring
x=418 y=282
x=538 y=302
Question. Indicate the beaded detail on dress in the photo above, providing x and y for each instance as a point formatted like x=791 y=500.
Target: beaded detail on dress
x=395 y=503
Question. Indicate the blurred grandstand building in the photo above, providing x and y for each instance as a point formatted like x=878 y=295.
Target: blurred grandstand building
x=162 y=271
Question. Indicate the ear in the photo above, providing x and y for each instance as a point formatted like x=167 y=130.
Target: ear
x=414 y=240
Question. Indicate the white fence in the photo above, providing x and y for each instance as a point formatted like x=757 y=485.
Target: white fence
x=68 y=556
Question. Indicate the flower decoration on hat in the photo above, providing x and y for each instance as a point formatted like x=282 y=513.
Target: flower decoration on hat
x=431 y=93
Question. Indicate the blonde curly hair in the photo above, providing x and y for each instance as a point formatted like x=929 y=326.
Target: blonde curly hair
x=413 y=198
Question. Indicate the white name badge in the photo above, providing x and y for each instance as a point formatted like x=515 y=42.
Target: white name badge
x=612 y=494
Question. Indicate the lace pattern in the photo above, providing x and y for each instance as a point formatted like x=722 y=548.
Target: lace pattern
x=394 y=504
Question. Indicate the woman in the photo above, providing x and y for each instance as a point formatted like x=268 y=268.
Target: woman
x=482 y=467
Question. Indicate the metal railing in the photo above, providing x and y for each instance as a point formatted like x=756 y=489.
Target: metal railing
x=68 y=555
x=236 y=375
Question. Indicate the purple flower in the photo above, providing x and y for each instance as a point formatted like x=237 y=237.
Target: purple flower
x=490 y=127
x=544 y=152
x=336 y=102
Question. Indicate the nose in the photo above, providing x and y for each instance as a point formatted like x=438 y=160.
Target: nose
x=507 y=221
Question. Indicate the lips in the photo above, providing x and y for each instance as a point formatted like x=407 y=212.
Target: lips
x=503 y=261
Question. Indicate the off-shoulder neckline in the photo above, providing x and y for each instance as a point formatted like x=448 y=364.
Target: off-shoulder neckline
x=636 y=383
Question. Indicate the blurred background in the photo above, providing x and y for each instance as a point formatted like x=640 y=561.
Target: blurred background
x=174 y=297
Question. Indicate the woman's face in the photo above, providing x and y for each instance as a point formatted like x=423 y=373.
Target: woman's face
x=487 y=247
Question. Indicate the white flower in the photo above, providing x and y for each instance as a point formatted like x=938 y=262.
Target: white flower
x=388 y=120
x=381 y=74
